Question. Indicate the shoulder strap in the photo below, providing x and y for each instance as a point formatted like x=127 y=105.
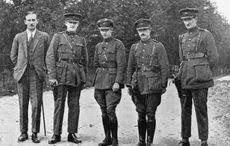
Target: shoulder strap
x=198 y=41
x=68 y=41
x=153 y=51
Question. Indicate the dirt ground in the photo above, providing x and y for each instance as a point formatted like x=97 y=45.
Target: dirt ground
x=90 y=125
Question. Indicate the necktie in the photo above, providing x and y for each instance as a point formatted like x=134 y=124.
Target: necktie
x=30 y=38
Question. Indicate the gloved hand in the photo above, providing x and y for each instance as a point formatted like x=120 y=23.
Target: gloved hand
x=115 y=87
x=53 y=82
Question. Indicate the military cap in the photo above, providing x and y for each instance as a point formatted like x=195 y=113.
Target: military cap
x=105 y=23
x=143 y=23
x=188 y=12
x=73 y=16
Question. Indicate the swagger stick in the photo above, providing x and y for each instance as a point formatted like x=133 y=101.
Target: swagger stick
x=43 y=116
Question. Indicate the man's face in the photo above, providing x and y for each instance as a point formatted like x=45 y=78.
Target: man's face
x=106 y=32
x=31 y=21
x=72 y=25
x=190 y=22
x=144 y=33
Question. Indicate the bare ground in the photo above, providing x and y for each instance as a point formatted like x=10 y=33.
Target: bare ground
x=90 y=125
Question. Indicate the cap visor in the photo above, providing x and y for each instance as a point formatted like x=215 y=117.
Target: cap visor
x=186 y=17
x=104 y=28
x=143 y=28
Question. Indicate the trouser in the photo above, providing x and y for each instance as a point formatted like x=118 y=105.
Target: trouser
x=108 y=101
x=30 y=87
x=60 y=93
x=199 y=97
x=146 y=106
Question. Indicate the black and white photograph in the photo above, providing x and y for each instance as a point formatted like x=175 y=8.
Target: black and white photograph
x=114 y=72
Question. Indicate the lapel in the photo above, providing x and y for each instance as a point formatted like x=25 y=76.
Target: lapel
x=36 y=39
x=25 y=41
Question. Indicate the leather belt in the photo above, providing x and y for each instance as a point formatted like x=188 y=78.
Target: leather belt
x=71 y=61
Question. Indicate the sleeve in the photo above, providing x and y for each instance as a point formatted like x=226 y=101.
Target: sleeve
x=180 y=47
x=14 y=50
x=164 y=64
x=121 y=63
x=211 y=49
x=51 y=57
x=131 y=65
x=85 y=57
x=96 y=62
x=46 y=44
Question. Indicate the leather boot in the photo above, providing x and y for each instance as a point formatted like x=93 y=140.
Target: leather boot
x=35 y=138
x=184 y=142
x=142 y=132
x=23 y=137
x=107 y=140
x=73 y=138
x=54 y=139
x=114 y=127
x=151 y=125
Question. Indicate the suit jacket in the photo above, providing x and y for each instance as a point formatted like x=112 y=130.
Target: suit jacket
x=19 y=54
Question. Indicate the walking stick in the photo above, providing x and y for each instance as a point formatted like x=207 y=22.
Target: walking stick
x=43 y=116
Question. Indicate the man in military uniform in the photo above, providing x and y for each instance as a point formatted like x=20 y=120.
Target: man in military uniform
x=110 y=61
x=198 y=54
x=67 y=60
x=147 y=75
x=28 y=55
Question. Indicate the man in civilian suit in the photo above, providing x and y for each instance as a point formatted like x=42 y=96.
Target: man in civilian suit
x=28 y=56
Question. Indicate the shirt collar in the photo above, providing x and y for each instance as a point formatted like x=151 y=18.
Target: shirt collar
x=30 y=32
x=108 y=39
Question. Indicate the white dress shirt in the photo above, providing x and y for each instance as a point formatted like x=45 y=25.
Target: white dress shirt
x=29 y=33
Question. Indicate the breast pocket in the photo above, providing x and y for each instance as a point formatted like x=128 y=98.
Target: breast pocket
x=111 y=54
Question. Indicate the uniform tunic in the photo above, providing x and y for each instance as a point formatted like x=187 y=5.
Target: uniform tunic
x=149 y=61
x=198 y=53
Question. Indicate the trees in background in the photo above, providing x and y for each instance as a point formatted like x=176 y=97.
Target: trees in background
x=163 y=13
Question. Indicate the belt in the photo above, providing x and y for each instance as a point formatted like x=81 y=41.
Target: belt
x=195 y=55
x=152 y=69
x=108 y=65
x=72 y=61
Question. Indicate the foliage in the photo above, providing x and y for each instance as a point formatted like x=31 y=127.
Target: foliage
x=164 y=14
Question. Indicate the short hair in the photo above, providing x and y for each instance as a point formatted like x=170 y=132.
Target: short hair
x=30 y=12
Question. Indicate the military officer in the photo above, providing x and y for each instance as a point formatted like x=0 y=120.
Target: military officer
x=110 y=61
x=147 y=74
x=67 y=60
x=198 y=54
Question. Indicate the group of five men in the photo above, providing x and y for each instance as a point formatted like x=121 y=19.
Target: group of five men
x=66 y=60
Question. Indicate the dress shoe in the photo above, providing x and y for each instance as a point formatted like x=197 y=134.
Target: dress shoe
x=184 y=143
x=73 y=138
x=23 y=137
x=54 y=139
x=105 y=142
x=115 y=142
x=141 y=144
x=204 y=143
x=35 y=138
